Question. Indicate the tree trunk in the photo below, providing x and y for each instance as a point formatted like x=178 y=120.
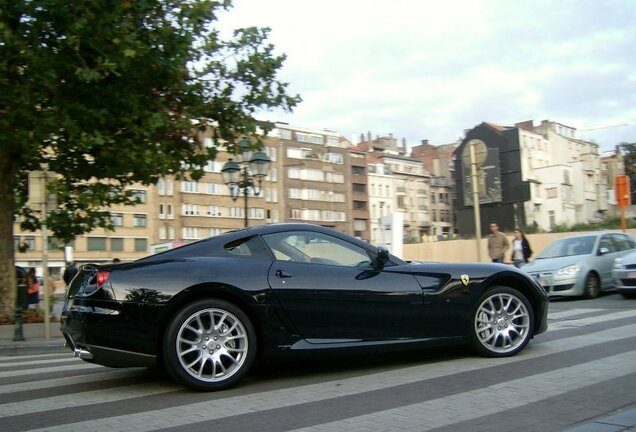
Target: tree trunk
x=8 y=284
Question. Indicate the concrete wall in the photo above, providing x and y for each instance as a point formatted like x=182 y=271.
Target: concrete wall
x=466 y=250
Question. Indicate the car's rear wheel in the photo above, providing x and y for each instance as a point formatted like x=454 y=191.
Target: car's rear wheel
x=502 y=322
x=209 y=345
x=592 y=286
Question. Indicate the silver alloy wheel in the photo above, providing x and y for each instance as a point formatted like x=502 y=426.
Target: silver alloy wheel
x=502 y=323
x=212 y=345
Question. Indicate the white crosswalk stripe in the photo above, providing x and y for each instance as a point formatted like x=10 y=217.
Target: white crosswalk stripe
x=428 y=414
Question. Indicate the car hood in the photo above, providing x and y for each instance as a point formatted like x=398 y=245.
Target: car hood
x=552 y=264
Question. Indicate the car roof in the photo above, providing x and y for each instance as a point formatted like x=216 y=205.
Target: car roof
x=217 y=242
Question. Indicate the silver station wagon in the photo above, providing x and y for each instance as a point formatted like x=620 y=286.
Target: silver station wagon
x=580 y=265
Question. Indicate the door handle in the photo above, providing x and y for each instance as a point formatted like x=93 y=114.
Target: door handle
x=283 y=274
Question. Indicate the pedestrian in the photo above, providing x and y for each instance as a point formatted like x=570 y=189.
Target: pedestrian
x=69 y=272
x=497 y=244
x=521 y=250
x=33 y=287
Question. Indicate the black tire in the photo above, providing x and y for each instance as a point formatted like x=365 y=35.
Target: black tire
x=502 y=322
x=592 y=286
x=209 y=345
x=628 y=295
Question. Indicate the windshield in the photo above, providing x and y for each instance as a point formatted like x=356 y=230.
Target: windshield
x=568 y=247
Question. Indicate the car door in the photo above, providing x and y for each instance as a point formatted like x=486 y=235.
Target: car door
x=623 y=244
x=606 y=253
x=330 y=291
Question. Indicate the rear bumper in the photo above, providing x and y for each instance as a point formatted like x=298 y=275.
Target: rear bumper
x=110 y=357
x=105 y=336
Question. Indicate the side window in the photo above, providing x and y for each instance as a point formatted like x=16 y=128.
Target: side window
x=623 y=242
x=251 y=247
x=606 y=242
x=311 y=247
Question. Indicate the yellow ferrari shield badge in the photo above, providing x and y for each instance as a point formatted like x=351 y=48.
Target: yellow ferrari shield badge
x=465 y=279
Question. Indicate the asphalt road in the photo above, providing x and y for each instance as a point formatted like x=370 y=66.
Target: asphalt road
x=582 y=368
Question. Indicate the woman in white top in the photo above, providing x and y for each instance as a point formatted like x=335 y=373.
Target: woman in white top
x=520 y=249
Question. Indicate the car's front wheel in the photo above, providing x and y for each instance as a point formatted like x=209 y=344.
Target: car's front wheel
x=502 y=322
x=209 y=345
x=592 y=286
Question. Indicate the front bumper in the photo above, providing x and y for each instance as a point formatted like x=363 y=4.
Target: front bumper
x=567 y=286
x=625 y=280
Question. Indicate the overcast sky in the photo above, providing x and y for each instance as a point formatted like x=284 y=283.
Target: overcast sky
x=424 y=69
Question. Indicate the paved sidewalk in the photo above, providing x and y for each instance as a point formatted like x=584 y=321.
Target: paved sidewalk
x=34 y=340
x=621 y=420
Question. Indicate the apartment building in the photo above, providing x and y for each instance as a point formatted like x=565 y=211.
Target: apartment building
x=409 y=185
x=315 y=176
x=359 y=194
x=381 y=193
x=439 y=162
x=129 y=241
x=531 y=175
x=187 y=210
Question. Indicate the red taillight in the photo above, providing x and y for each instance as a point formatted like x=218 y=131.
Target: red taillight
x=102 y=278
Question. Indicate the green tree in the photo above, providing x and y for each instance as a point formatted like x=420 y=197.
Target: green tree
x=629 y=161
x=110 y=93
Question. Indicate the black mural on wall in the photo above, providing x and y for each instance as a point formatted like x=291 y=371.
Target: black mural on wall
x=505 y=191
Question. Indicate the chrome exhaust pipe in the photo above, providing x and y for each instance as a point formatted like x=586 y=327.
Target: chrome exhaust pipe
x=83 y=354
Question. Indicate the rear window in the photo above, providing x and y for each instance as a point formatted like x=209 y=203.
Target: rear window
x=250 y=247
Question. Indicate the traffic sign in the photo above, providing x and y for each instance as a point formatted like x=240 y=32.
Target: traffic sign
x=622 y=191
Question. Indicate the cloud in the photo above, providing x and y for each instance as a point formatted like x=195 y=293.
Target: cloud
x=430 y=69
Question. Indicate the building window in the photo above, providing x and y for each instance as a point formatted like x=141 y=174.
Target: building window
x=140 y=196
x=551 y=192
x=170 y=233
x=213 y=188
x=285 y=134
x=359 y=225
x=116 y=244
x=190 y=210
x=162 y=233
x=356 y=170
x=96 y=243
x=255 y=213
x=334 y=158
x=189 y=186
x=140 y=220
x=214 y=211
x=54 y=244
x=117 y=219
x=358 y=187
x=24 y=244
x=141 y=245
x=190 y=233
x=359 y=205
x=212 y=232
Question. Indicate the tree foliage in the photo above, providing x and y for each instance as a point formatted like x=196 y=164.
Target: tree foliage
x=110 y=93
x=629 y=161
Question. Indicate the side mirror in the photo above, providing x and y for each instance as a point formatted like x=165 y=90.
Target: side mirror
x=603 y=251
x=381 y=258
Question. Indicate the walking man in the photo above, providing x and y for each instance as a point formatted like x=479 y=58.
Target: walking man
x=497 y=244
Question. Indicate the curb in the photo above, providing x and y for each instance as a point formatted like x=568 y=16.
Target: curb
x=33 y=346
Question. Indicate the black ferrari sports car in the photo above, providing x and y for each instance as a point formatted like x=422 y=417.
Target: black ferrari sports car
x=206 y=311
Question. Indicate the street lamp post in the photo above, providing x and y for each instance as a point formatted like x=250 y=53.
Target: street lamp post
x=249 y=172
